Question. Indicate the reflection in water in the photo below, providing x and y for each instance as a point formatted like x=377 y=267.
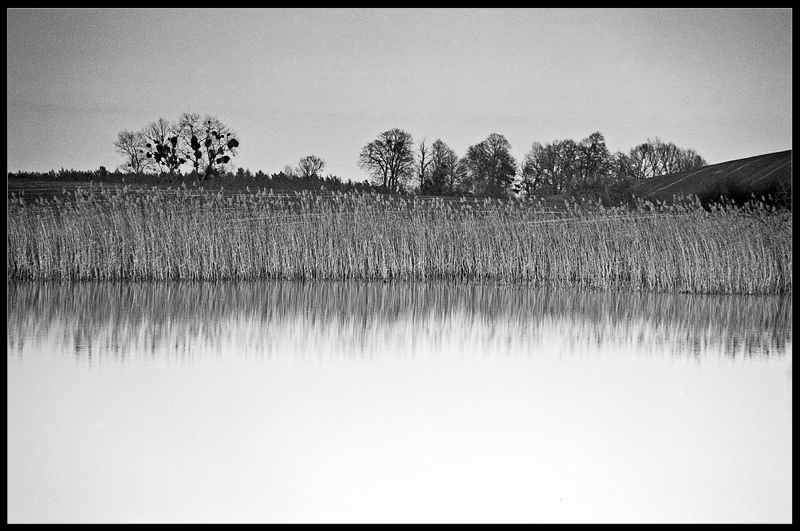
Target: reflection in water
x=338 y=402
x=184 y=320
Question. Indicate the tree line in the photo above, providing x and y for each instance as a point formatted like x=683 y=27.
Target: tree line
x=239 y=181
x=396 y=164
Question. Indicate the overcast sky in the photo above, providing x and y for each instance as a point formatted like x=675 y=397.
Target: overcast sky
x=295 y=82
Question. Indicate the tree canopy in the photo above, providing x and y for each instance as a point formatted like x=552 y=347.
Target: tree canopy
x=310 y=166
x=205 y=143
x=490 y=167
x=389 y=159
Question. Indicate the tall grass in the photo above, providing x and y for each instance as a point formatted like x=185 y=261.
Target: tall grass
x=119 y=234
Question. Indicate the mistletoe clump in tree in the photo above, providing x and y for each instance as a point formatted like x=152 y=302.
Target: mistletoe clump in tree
x=165 y=153
x=206 y=143
x=161 y=146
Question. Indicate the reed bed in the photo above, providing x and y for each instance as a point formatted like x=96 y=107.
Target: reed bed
x=120 y=234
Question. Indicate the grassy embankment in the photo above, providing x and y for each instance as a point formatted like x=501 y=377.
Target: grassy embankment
x=191 y=235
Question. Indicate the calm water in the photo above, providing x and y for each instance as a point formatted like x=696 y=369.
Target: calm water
x=277 y=402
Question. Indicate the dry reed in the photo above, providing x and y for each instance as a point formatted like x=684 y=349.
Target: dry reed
x=120 y=234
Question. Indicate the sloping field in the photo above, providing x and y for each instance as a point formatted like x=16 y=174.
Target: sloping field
x=751 y=173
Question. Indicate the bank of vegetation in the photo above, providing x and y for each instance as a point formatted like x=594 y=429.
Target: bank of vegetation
x=192 y=234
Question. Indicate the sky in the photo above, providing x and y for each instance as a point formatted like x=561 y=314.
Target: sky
x=297 y=82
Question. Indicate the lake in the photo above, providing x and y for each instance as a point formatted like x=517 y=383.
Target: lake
x=376 y=402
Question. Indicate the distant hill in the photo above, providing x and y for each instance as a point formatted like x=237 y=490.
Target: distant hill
x=762 y=174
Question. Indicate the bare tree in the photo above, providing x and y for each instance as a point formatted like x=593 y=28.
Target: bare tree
x=491 y=167
x=162 y=145
x=689 y=160
x=188 y=126
x=562 y=165
x=206 y=142
x=423 y=163
x=310 y=166
x=158 y=130
x=594 y=160
x=389 y=159
x=656 y=157
x=445 y=172
x=533 y=171
x=131 y=145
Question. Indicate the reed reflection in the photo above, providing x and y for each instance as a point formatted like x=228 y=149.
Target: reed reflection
x=187 y=320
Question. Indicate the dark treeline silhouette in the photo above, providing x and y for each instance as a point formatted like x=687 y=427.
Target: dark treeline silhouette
x=563 y=167
x=241 y=180
x=397 y=165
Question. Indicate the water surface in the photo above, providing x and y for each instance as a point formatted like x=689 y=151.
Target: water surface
x=341 y=402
